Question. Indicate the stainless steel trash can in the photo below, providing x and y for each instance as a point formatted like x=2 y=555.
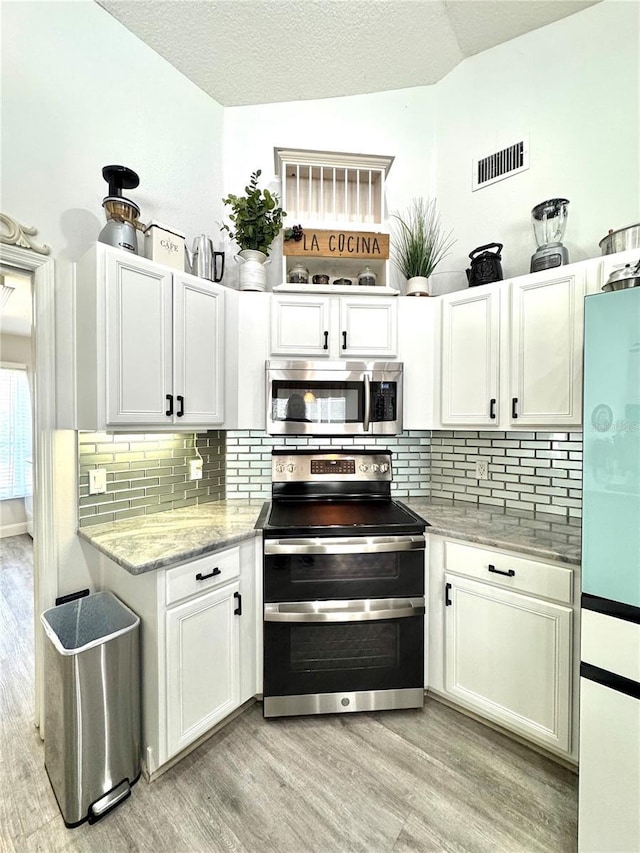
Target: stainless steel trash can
x=91 y=704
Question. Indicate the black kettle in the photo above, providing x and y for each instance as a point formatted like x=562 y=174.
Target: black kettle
x=486 y=266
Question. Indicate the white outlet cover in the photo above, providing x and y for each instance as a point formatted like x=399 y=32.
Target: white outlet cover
x=195 y=469
x=482 y=470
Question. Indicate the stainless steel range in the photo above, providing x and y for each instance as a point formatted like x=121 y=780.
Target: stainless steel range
x=344 y=583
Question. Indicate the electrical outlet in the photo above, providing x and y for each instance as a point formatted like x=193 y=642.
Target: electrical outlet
x=97 y=481
x=482 y=470
x=195 y=469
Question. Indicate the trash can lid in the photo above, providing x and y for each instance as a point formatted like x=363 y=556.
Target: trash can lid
x=85 y=622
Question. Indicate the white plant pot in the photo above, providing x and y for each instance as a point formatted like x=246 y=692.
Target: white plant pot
x=418 y=286
x=252 y=273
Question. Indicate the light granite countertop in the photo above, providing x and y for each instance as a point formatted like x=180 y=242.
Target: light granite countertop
x=167 y=538
x=164 y=539
x=545 y=536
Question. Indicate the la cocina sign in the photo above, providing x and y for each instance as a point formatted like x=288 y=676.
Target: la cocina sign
x=339 y=244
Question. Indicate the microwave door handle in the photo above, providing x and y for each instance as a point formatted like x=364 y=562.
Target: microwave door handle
x=367 y=403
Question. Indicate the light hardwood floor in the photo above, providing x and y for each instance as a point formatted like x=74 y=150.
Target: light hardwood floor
x=378 y=783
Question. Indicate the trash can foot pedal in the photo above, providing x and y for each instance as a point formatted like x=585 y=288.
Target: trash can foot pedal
x=109 y=801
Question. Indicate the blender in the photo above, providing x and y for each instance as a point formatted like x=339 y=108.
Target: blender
x=122 y=213
x=549 y=219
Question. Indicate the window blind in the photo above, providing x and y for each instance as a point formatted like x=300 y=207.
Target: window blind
x=15 y=432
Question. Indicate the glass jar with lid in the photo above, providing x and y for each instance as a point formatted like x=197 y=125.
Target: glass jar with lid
x=367 y=277
x=299 y=275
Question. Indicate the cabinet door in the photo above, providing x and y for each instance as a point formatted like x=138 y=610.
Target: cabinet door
x=300 y=325
x=198 y=341
x=508 y=657
x=203 y=679
x=470 y=354
x=546 y=350
x=138 y=341
x=368 y=327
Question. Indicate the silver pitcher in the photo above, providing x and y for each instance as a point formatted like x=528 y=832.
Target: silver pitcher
x=203 y=260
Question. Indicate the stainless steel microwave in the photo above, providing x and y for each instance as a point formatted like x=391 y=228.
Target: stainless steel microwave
x=334 y=397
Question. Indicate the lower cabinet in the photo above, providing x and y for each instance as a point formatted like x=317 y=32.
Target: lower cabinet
x=508 y=656
x=199 y=644
x=503 y=640
x=203 y=664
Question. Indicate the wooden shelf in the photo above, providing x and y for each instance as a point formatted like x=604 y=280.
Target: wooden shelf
x=350 y=290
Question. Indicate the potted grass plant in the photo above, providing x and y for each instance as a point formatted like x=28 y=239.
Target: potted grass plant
x=256 y=219
x=419 y=243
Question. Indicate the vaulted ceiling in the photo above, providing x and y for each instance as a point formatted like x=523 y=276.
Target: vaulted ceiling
x=268 y=51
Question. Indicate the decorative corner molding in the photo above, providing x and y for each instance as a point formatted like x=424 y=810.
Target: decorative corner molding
x=20 y=235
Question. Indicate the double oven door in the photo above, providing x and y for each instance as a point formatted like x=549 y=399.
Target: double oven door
x=343 y=624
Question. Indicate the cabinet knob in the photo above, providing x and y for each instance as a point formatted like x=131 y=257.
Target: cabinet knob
x=169 y=411
x=201 y=577
x=492 y=409
x=344 y=340
x=509 y=574
x=238 y=610
x=326 y=340
x=514 y=407
x=180 y=411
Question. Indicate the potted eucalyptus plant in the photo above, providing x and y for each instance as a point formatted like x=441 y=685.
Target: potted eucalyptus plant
x=256 y=219
x=419 y=243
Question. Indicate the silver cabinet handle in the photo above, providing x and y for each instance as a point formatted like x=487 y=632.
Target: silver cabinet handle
x=371 y=609
x=344 y=545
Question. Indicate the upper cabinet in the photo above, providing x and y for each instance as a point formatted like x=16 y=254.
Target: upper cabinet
x=334 y=326
x=470 y=356
x=511 y=353
x=149 y=344
x=546 y=349
x=339 y=201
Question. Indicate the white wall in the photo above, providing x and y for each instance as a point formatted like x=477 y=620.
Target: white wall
x=79 y=91
x=573 y=88
x=400 y=123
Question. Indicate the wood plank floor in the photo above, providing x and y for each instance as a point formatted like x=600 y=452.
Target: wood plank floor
x=378 y=783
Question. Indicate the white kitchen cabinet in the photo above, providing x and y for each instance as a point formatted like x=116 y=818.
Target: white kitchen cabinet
x=511 y=352
x=508 y=656
x=503 y=640
x=203 y=664
x=150 y=344
x=200 y=625
x=334 y=326
x=470 y=356
x=546 y=349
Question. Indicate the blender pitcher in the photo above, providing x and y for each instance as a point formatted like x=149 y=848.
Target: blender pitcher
x=549 y=220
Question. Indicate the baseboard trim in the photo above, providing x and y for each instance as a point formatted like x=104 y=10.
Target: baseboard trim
x=13 y=529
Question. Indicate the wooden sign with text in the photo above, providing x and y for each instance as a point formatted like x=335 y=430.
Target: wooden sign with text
x=339 y=244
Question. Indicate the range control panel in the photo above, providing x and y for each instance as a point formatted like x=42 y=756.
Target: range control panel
x=305 y=466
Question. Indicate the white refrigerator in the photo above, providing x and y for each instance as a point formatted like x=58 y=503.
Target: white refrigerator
x=609 y=780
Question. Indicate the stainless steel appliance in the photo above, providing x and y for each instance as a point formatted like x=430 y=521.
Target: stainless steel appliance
x=122 y=213
x=334 y=398
x=344 y=586
x=549 y=220
x=621 y=240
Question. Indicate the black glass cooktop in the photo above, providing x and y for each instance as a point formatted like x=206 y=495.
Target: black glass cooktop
x=373 y=517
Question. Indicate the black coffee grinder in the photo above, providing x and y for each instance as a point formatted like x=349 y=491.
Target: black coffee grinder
x=485 y=265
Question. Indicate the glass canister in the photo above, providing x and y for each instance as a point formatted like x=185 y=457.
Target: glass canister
x=367 y=277
x=299 y=275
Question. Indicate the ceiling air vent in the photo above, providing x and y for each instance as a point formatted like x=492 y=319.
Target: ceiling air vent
x=495 y=167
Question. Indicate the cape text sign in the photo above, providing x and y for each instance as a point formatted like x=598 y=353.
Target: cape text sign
x=339 y=244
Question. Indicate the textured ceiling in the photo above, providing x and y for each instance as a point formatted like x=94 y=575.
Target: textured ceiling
x=267 y=51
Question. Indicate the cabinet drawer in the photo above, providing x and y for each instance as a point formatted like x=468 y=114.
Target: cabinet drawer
x=201 y=575
x=517 y=573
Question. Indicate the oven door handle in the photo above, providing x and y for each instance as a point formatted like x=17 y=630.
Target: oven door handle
x=367 y=403
x=362 y=610
x=344 y=545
